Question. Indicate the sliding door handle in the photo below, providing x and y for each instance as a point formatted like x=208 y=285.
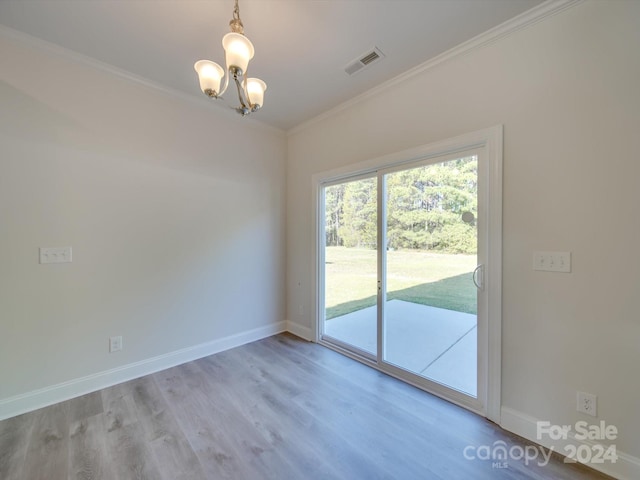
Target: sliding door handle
x=478 y=277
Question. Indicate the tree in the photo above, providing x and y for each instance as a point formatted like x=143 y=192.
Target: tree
x=359 y=228
x=333 y=212
x=425 y=206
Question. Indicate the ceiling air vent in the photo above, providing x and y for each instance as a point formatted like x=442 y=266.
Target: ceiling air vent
x=364 y=60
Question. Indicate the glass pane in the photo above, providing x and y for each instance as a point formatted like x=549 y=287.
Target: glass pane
x=351 y=264
x=430 y=321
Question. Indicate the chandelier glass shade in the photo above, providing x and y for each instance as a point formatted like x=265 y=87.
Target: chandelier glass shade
x=239 y=50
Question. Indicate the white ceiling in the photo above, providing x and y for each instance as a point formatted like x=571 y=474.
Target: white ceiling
x=302 y=46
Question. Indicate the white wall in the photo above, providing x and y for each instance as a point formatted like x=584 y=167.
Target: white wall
x=175 y=212
x=567 y=91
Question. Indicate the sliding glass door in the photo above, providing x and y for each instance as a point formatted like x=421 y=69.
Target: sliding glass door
x=430 y=307
x=402 y=273
x=350 y=269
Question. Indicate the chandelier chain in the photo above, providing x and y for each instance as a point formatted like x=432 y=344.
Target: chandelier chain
x=236 y=23
x=236 y=12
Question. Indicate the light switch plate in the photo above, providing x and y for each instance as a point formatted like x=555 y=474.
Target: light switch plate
x=55 y=255
x=552 y=261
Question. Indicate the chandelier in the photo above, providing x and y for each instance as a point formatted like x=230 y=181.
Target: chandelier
x=238 y=51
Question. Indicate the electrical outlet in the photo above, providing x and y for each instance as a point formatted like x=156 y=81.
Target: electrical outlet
x=115 y=344
x=587 y=403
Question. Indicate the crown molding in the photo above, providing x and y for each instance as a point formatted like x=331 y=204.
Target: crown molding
x=520 y=22
x=65 y=53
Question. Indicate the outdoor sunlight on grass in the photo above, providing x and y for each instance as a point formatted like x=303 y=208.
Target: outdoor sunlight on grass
x=437 y=279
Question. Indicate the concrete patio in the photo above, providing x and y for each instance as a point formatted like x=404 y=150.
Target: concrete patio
x=435 y=343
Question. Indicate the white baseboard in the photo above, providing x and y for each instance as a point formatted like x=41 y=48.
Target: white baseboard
x=627 y=467
x=26 y=402
x=300 y=330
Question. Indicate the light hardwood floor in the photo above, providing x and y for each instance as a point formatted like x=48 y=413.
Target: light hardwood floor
x=280 y=408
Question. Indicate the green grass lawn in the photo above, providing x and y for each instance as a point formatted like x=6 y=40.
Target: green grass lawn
x=436 y=279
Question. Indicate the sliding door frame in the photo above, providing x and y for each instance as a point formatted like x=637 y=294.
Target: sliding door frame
x=489 y=144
